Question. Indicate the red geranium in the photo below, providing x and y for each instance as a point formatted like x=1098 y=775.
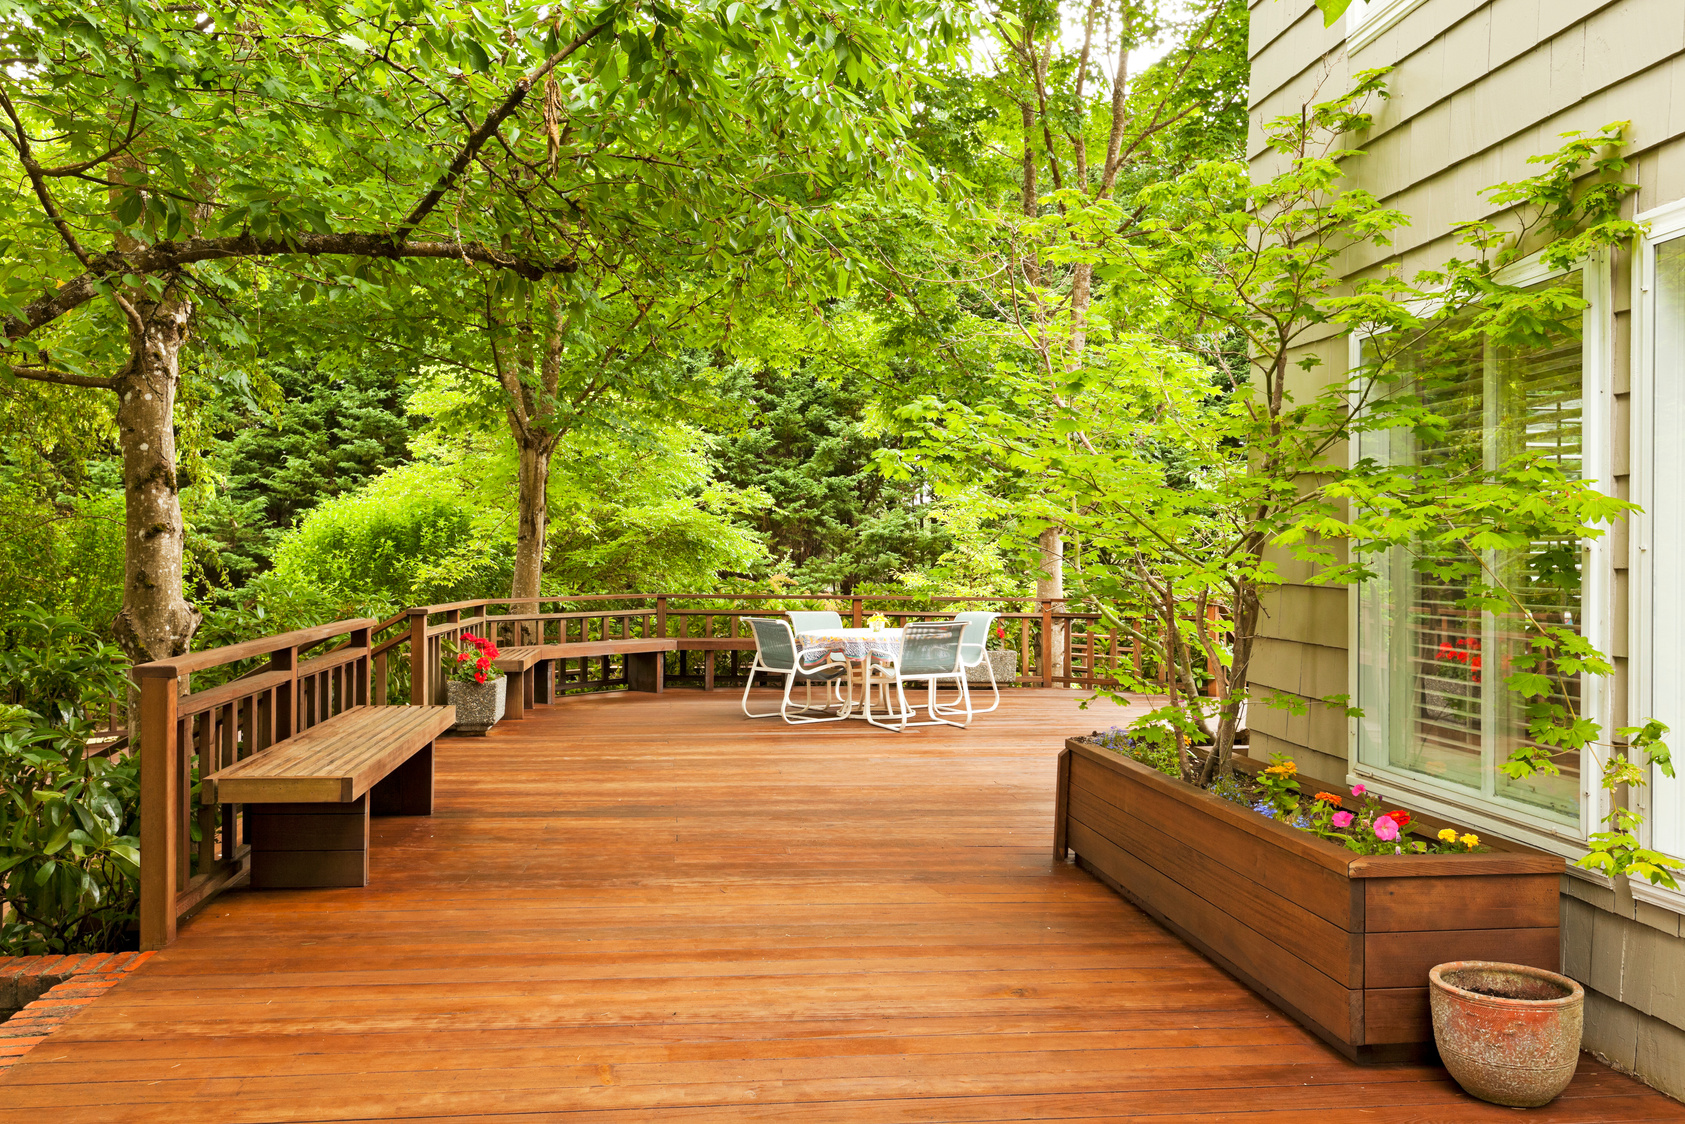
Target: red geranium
x=1401 y=818
x=469 y=659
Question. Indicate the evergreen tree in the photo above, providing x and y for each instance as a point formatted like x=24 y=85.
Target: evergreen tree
x=837 y=520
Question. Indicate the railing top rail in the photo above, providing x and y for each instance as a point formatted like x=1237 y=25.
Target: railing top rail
x=448 y=606
x=234 y=653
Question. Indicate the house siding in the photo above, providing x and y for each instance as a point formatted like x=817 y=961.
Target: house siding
x=1478 y=87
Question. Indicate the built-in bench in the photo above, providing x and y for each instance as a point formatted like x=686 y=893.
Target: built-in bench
x=308 y=798
x=710 y=647
x=534 y=665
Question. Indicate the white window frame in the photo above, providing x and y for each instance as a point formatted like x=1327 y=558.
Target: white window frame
x=1367 y=19
x=1512 y=820
x=1663 y=224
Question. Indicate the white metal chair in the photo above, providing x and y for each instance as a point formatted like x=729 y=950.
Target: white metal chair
x=930 y=653
x=776 y=654
x=813 y=621
x=974 y=650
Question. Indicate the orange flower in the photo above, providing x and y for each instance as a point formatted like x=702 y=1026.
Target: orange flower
x=1327 y=798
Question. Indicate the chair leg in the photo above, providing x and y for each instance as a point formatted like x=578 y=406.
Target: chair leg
x=749 y=685
x=993 y=686
x=889 y=711
x=799 y=716
x=964 y=703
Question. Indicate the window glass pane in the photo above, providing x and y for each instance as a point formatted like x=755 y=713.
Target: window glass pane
x=1441 y=729
x=1430 y=671
x=1539 y=412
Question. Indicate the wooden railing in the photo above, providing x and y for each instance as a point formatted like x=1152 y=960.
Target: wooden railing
x=1055 y=646
x=189 y=850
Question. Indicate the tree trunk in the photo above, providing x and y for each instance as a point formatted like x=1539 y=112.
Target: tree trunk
x=534 y=479
x=1050 y=586
x=156 y=621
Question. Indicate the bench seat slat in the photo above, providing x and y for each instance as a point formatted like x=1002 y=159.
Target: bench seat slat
x=336 y=761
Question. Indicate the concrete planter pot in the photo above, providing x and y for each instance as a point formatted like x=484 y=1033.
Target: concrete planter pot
x=1508 y=1033
x=479 y=706
x=1005 y=662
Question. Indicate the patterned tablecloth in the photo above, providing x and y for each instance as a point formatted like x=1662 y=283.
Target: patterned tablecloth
x=853 y=642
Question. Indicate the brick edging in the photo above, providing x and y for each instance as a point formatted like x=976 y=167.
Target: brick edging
x=47 y=990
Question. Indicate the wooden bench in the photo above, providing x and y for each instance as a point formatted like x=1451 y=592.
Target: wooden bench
x=308 y=799
x=534 y=664
x=710 y=647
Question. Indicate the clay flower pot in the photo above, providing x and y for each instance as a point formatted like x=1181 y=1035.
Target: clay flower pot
x=1508 y=1033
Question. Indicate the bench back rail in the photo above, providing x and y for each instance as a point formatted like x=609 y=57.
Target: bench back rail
x=296 y=680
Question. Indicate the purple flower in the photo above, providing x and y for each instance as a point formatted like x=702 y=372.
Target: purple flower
x=1343 y=819
x=1385 y=829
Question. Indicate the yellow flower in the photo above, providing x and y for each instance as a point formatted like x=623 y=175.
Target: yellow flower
x=1471 y=841
x=1285 y=769
x=1447 y=835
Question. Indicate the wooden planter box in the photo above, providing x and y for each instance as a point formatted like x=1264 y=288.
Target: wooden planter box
x=1342 y=942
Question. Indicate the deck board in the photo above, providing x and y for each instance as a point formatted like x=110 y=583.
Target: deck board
x=647 y=908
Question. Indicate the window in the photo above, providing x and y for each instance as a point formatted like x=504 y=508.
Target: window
x=1366 y=19
x=1429 y=674
x=1658 y=534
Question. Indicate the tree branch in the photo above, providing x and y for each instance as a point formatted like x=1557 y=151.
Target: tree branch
x=63 y=378
x=167 y=257
x=478 y=138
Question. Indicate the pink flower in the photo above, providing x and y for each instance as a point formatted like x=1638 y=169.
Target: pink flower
x=1358 y=790
x=1343 y=819
x=1385 y=829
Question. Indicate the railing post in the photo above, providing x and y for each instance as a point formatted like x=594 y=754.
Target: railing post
x=362 y=638
x=661 y=618
x=857 y=607
x=420 y=692
x=1047 y=643
x=160 y=804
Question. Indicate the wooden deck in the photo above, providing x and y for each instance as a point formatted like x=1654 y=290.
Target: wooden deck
x=646 y=908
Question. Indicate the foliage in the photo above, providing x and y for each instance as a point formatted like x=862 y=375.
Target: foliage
x=1191 y=452
x=411 y=536
x=69 y=855
x=333 y=430
x=1618 y=852
x=56 y=668
x=834 y=522
x=69 y=851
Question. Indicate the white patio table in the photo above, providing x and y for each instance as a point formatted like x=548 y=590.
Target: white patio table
x=854 y=645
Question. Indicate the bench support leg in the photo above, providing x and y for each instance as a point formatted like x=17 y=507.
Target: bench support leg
x=645 y=671
x=543 y=683
x=517 y=695
x=297 y=846
x=707 y=671
x=408 y=789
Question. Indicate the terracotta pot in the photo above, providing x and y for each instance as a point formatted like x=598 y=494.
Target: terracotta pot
x=1508 y=1033
x=479 y=706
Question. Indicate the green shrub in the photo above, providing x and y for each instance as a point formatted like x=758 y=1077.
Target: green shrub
x=69 y=855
